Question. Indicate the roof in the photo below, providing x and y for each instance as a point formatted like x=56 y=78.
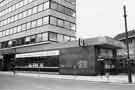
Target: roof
x=106 y=42
x=121 y=36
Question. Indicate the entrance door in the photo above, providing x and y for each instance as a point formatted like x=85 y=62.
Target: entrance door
x=7 y=60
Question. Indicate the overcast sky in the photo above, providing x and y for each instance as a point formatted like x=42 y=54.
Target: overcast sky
x=103 y=17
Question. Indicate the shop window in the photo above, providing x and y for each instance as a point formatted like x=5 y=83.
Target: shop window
x=46 y=5
x=40 y=7
x=53 y=36
x=44 y=36
x=39 y=38
x=39 y=22
x=45 y=20
x=53 y=21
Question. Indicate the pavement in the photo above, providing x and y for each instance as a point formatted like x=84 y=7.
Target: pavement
x=123 y=79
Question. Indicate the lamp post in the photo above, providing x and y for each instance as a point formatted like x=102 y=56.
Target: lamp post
x=127 y=45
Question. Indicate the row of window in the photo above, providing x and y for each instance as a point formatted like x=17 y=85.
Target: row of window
x=47 y=36
x=62 y=9
x=4 y=2
x=26 y=13
x=37 y=9
x=37 y=23
x=15 y=6
x=71 y=1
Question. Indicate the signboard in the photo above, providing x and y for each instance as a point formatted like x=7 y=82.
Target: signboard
x=39 y=54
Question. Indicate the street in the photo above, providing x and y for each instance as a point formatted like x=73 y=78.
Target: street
x=10 y=82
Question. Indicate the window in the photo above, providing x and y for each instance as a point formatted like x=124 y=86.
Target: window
x=24 y=14
x=10 y=43
x=44 y=36
x=60 y=22
x=46 y=5
x=39 y=22
x=54 y=5
x=68 y=11
x=40 y=8
x=61 y=9
x=19 y=28
x=23 y=27
x=28 y=25
x=27 y=39
x=59 y=37
x=34 y=10
x=33 y=39
x=39 y=38
x=16 y=17
x=45 y=20
x=66 y=24
x=8 y=20
x=66 y=38
x=29 y=12
x=72 y=26
x=0 y=34
x=72 y=38
x=53 y=36
x=33 y=23
x=11 y=31
x=17 y=5
x=53 y=21
x=20 y=16
x=14 y=29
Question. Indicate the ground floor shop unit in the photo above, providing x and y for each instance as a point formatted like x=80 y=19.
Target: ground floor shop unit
x=94 y=56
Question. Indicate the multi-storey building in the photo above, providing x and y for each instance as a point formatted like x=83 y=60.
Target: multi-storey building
x=25 y=23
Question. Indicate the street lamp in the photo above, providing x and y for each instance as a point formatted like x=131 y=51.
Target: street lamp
x=127 y=45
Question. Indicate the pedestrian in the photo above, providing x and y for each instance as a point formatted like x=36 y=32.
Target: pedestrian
x=13 y=67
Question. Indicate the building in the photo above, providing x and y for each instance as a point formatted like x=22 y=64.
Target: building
x=39 y=35
x=122 y=52
x=25 y=23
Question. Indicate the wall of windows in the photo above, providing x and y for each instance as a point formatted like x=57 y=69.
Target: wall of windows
x=62 y=9
x=62 y=23
x=15 y=6
x=47 y=36
x=37 y=9
x=2 y=3
x=38 y=22
x=31 y=11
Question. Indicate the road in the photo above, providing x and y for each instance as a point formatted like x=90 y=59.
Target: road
x=9 y=82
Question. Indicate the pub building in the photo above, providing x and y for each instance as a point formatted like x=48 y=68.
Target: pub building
x=91 y=56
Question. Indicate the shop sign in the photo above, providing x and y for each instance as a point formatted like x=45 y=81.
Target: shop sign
x=39 y=54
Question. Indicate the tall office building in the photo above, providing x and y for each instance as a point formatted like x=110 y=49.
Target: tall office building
x=28 y=23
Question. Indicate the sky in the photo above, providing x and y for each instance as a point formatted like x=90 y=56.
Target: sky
x=103 y=17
